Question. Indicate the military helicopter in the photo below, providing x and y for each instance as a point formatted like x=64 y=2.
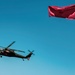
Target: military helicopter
x=6 y=51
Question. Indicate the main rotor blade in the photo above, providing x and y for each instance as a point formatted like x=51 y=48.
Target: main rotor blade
x=18 y=50
x=10 y=45
x=12 y=49
x=2 y=47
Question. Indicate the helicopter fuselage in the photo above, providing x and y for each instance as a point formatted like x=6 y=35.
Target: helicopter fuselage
x=10 y=53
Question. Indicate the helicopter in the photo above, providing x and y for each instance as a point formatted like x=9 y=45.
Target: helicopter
x=6 y=51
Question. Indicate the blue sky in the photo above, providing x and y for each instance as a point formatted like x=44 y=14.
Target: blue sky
x=53 y=39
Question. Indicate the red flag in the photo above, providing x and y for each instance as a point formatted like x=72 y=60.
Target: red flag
x=63 y=12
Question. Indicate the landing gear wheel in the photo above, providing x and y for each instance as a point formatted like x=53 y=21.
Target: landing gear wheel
x=1 y=56
x=23 y=59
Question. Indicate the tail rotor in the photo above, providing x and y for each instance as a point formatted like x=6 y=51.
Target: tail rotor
x=31 y=52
